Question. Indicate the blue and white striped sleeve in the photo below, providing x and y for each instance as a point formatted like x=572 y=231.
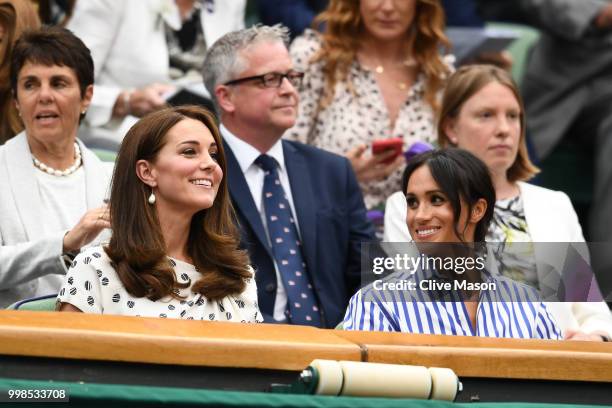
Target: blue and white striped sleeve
x=546 y=326
x=365 y=315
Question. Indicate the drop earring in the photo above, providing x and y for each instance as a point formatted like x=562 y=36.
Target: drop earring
x=152 y=198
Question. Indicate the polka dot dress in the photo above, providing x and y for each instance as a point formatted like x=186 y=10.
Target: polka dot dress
x=92 y=285
x=357 y=114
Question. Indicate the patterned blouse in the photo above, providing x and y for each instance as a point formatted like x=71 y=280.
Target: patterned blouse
x=509 y=227
x=93 y=286
x=357 y=114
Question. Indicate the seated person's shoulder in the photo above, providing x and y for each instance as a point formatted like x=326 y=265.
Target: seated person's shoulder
x=531 y=190
x=309 y=39
x=305 y=47
x=93 y=257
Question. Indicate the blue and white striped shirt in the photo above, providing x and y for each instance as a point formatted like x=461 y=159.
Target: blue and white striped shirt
x=512 y=310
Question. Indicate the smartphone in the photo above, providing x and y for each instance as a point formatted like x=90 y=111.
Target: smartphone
x=384 y=145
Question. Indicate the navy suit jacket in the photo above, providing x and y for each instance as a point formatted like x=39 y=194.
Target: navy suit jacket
x=332 y=221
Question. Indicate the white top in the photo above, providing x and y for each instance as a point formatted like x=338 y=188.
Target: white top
x=254 y=176
x=127 y=39
x=62 y=199
x=31 y=261
x=93 y=286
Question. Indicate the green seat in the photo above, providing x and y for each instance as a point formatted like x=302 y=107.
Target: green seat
x=519 y=48
x=37 y=304
x=105 y=155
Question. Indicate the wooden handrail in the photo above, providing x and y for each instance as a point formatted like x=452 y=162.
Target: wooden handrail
x=282 y=347
x=168 y=341
x=402 y=339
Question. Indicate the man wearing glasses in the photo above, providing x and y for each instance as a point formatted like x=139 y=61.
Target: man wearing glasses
x=299 y=208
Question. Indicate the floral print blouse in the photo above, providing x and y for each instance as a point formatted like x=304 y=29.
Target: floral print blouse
x=357 y=113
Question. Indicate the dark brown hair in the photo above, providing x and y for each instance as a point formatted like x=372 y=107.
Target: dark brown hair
x=343 y=24
x=462 y=177
x=461 y=86
x=53 y=46
x=137 y=247
x=16 y=16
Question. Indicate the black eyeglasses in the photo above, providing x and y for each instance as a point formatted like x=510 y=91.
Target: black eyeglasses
x=272 y=79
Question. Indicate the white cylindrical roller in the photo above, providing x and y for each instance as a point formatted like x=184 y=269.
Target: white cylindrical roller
x=385 y=380
x=445 y=384
x=330 y=377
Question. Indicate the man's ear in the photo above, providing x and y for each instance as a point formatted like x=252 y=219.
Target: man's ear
x=224 y=97
x=449 y=128
x=478 y=210
x=146 y=173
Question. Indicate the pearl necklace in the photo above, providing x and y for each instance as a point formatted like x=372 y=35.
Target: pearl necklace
x=61 y=173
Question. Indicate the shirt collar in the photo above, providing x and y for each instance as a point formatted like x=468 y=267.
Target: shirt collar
x=247 y=154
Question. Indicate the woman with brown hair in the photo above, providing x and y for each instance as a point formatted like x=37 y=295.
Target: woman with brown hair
x=482 y=112
x=373 y=72
x=15 y=17
x=174 y=250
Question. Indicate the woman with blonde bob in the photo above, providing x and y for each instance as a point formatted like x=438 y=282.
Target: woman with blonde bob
x=174 y=249
x=482 y=112
x=373 y=71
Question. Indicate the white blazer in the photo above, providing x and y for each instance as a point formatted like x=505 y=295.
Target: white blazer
x=31 y=262
x=128 y=44
x=551 y=218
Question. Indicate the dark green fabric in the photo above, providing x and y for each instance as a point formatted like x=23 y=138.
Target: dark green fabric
x=110 y=395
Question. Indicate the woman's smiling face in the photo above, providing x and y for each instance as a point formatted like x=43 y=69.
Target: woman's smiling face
x=430 y=216
x=185 y=175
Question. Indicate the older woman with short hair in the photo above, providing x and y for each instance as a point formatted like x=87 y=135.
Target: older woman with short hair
x=52 y=186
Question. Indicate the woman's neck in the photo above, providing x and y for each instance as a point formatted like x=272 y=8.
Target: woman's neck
x=175 y=230
x=504 y=188
x=386 y=51
x=58 y=155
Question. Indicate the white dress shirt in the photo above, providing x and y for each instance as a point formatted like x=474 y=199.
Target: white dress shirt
x=254 y=176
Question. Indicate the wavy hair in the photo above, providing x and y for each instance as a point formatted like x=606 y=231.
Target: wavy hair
x=461 y=86
x=16 y=16
x=343 y=25
x=137 y=248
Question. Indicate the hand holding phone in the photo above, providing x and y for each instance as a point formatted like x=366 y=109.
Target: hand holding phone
x=385 y=145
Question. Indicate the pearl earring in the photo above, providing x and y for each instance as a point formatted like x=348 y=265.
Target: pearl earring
x=152 y=198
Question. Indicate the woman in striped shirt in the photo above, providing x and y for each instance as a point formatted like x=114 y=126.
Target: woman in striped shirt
x=450 y=200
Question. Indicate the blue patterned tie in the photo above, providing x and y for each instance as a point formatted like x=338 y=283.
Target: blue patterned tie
x=286 y=247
